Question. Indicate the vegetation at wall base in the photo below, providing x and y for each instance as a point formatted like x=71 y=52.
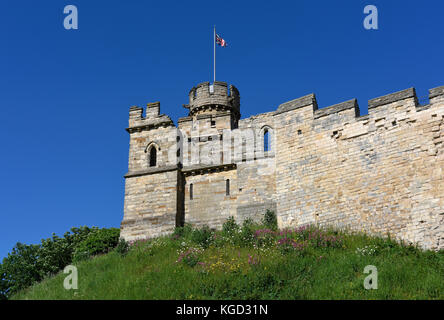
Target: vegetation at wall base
x=252 y=261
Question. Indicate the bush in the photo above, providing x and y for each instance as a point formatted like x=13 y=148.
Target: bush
x=230 y=226
x=265 y=237
x=3 y=286
x=122 y=247
x=97 y=242
x=246 y=236
x=20 y=269
x=54 y=254
x=248 y=223
x=270 y=220
x=184 y=231
x=202 y=236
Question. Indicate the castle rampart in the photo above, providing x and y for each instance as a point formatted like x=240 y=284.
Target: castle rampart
x=380 y=173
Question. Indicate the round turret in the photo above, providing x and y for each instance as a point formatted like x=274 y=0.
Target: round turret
x=206 y=98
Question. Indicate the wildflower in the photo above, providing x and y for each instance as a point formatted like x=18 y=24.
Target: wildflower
x=252 y=260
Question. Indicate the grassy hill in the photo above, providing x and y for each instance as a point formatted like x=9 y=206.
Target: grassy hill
x=254 y=262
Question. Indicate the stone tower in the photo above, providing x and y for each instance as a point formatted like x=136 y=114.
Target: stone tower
x=215 y=101
x=212 y=108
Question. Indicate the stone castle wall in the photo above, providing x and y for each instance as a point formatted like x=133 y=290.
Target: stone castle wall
x=210 y=204
x=379 y=173
x=150 y=204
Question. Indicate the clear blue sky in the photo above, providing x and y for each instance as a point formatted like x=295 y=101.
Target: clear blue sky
x=65 y=94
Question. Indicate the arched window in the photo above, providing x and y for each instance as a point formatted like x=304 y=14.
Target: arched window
x=153 y=156
x=266 y=140
x=227 y=187
x=191 y=191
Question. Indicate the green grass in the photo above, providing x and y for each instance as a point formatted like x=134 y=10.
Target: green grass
x=236 y=266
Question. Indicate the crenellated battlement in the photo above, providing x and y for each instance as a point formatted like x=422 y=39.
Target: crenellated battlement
x=436 y=94
x=337 y=108
x=308 y=100
x=401 y=101
x=393 y=97
x=152 y=118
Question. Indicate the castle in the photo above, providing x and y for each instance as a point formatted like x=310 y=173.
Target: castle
x=379 y=173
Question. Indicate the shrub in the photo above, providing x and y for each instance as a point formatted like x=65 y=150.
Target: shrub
x=3 y=287
x=97 y=242
x=20 y=269
x=3 y=284
x=270 y=220
x=77 y=235
x=248 y=223
x=264 y=237
x=54 y=254
x=122 y=247
x=184 y=231
x=202 y=236
x=230 y=226
x=246 y=236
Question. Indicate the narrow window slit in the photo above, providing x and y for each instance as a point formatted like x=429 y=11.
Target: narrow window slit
x=191 y=191
x=153 y=156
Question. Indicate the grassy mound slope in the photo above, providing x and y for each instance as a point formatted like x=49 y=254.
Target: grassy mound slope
x=254 y=262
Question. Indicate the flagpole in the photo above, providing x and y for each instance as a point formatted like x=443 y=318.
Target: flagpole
x=214 y=43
